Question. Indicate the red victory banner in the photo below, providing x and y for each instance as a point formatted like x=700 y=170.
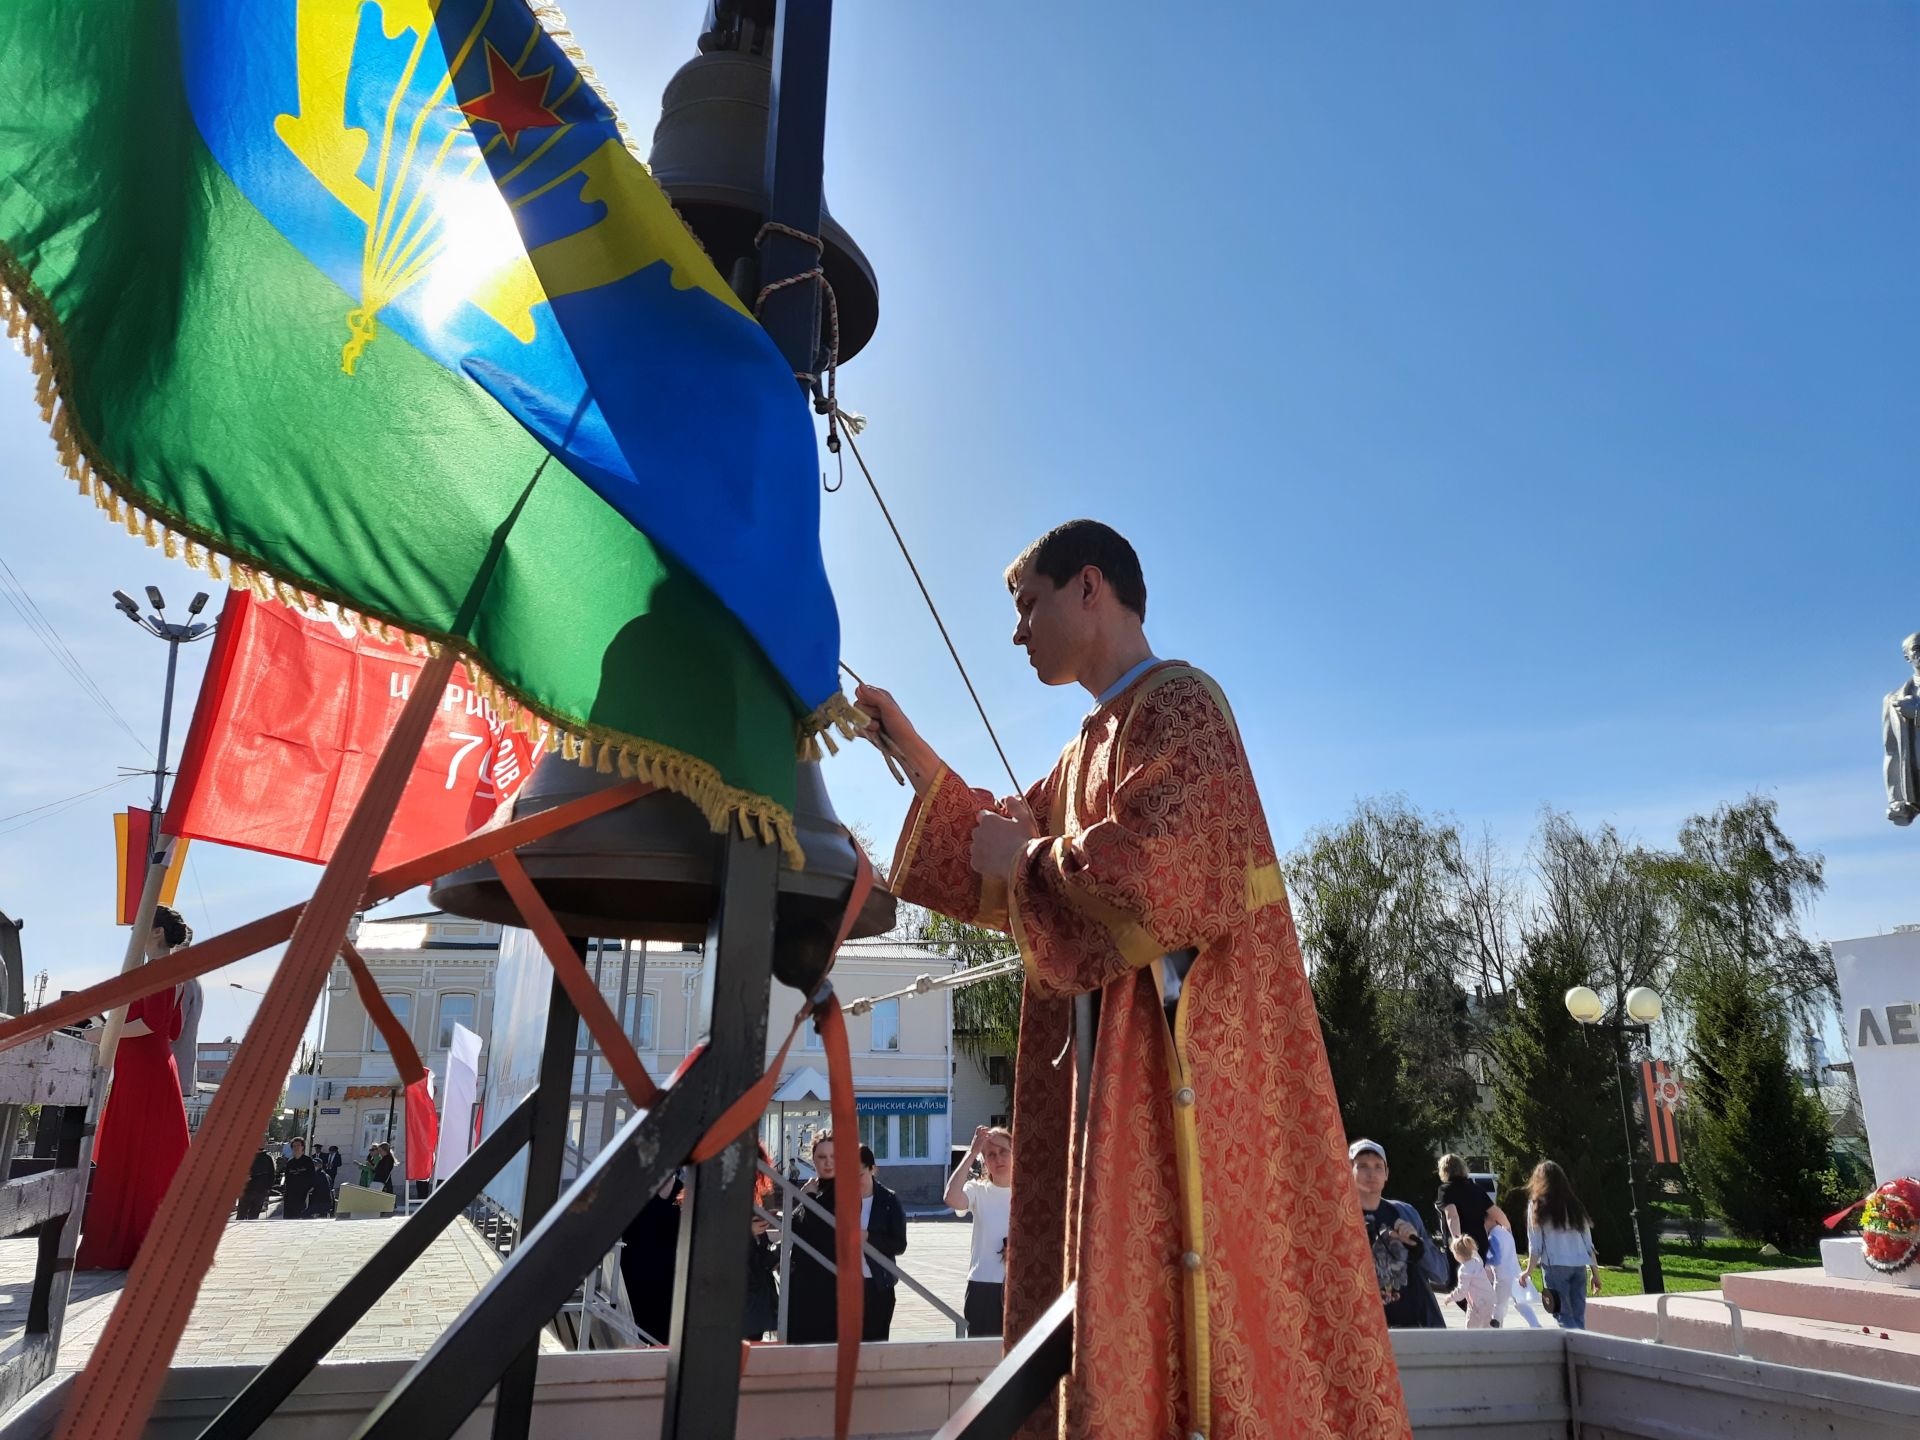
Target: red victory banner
x=132 y=835
x=292 y=715
x=1662 y=1094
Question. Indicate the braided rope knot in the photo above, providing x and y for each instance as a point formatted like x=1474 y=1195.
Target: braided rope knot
x=825 y=402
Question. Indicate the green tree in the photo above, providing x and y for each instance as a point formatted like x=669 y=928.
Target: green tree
x=986 y=1014
x=1383 y=894
x=1366 y=1071
x=1554 y=1095
x=1756 y=1139
x=1745 y=976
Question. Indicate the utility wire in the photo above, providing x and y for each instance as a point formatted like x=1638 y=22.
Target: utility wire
x=934 y=610
x=54 y=807
x=50 y=638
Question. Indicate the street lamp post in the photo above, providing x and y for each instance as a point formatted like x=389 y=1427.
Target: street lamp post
x=1642 y=1006
x=176 y=633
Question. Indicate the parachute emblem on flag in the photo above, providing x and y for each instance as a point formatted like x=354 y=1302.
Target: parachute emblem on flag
x=381 y=123
x=452 y=223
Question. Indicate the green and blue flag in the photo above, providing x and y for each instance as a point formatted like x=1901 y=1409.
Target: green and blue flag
x=369 y=299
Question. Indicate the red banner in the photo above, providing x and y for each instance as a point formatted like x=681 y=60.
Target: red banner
x=423 y=1128
x=292 y=715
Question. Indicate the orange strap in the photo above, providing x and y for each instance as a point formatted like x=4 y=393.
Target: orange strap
x=197 y=959
x=851 y=1296
x=586 y=996
x=115 y=1395
x=735 y=1119
x=406 y=1057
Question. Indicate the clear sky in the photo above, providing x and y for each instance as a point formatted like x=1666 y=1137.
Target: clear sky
x=1512 y=404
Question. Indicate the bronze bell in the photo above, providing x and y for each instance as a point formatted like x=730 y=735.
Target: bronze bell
x=709 y=155
x=650 y=871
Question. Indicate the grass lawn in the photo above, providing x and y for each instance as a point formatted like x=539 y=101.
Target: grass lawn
x=1686 y=1268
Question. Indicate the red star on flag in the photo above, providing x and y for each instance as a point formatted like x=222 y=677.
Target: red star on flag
x=515 y=103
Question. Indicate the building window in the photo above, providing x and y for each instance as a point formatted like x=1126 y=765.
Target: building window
x=402 y=1007
x=915 y=1141
x=457 y=1010
x=999 y=1072
x=810 y=1038
x=886 y=1027
x=873 y=1134
x=640 y=1026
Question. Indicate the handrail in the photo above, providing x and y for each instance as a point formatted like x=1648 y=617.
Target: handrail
x=1660 y=1318
x=873 y=1256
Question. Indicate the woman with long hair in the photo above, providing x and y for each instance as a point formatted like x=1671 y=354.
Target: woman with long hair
x=1560 y=1244
x=143 y=1132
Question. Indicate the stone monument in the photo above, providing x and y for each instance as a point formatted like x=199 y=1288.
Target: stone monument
x=1899 y=718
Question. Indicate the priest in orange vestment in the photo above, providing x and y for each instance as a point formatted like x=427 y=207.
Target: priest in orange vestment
x=1226 y=1288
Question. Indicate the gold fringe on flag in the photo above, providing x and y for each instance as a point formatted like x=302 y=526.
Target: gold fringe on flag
x=30 y=325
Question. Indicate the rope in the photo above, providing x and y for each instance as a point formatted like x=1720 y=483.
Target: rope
x=828 y=404
x=934 y=610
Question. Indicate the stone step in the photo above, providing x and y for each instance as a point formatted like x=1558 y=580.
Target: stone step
x=1695 y=1321
x=1815 y=1295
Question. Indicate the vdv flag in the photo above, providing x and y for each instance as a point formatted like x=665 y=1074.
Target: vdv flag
x=364 y=302
x=448 y=166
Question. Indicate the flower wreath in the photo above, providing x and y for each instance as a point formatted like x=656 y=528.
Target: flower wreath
x=1890 y=1226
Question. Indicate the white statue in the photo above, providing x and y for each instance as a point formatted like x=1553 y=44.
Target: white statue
x=1899 y=716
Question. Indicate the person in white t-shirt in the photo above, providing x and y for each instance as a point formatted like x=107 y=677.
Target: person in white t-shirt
x=989 y=1199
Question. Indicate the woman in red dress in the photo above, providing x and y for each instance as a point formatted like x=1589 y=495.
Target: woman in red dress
x=143 y=1135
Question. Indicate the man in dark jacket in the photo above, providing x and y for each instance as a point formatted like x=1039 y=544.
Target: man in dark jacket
x=260 y=1180
x=885 y=1223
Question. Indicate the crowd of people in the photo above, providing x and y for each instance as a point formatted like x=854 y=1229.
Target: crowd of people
x=1410 y=1263
x=309 y=1184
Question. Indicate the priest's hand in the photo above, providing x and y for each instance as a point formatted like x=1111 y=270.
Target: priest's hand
x=891 y=732
x=999 y=841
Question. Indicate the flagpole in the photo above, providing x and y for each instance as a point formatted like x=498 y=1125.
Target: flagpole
x=176 y=634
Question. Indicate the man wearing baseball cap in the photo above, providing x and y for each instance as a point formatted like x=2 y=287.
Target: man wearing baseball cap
x=1400 y=1252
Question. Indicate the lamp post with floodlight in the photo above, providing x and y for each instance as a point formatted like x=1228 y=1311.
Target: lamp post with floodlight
x=1642 y=1007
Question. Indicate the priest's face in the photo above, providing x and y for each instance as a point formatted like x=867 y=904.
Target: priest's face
x=1056 y=625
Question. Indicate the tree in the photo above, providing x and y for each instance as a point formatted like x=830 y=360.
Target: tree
x=1553 y=1088
x=986 y=1014
x=1745 y=977
x=1381 y=893
x=1366 y=1070
x=1756 y=1140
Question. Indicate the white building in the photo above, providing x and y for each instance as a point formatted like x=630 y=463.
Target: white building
x=437 y=970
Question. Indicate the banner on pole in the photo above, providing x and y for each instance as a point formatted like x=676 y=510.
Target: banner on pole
x=133 y=838
x=1661 y=1094
x=292 y=715
x=456 y=1106
x=423 y=1128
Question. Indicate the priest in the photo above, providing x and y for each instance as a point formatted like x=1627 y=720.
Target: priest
x=1225 y=1286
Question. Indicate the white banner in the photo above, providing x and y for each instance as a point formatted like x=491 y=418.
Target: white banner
x=456 y=1106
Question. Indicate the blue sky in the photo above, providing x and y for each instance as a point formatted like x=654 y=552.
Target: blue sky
x=1513 y=405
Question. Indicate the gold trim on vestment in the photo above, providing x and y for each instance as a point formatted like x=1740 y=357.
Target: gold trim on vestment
x=1265 y=885
x=1193 y=1225
x=910 y=841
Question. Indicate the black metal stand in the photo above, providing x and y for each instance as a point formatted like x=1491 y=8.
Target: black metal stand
x=710 y=1275
x=546 y=1153
x=448 y=1383
x=1022 y=1382
x=265 y=1392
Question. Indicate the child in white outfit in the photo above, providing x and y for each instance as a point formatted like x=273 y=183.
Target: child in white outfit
x=1504 y=1262
x=1475 y=1286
